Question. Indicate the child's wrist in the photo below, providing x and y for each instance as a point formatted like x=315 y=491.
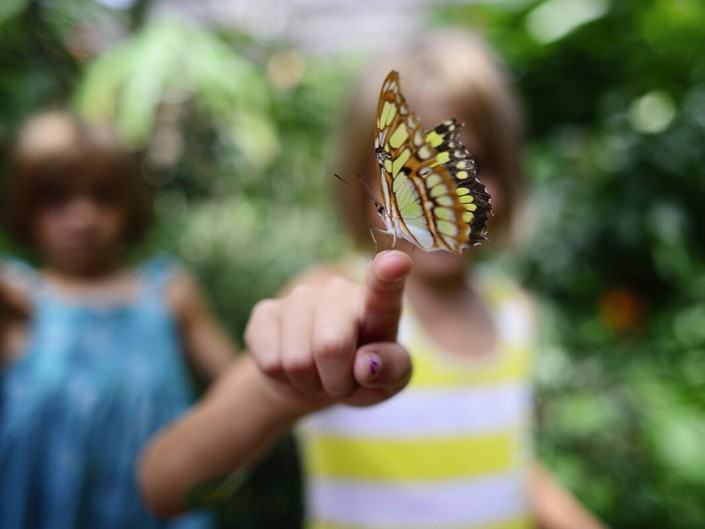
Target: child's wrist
x=283 y=400
x=244 y=380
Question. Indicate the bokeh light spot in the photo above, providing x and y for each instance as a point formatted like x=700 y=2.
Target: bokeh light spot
x=554 y=19
x=652 y=113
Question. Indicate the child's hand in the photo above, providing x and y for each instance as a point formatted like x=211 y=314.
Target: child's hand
x=14 y=314
x=316 y=346
x=5 y=310
x=336 y=343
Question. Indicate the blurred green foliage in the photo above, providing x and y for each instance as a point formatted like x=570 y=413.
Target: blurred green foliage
x=617 y=126
x=235 y=135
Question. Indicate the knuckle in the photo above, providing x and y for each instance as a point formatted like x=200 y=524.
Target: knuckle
x=266 y=308
x=384 y=286
x=299 y=364
x=299 y=292
x=341 y=390
x=331 y=347
x=269 y=366
x=383 y=304
x=249 y=334
x=337 y=284
x=262 y=315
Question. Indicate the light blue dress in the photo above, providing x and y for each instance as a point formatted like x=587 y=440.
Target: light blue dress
x=93 y=385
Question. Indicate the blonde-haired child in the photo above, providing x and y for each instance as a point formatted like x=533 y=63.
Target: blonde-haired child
x=94 y=352
x=454 y=449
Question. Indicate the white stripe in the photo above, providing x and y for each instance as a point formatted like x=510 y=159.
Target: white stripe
x=468 y=502
x=428 y=413
x=515 y=325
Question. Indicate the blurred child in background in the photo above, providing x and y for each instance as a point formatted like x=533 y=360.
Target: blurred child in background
x=454 y=449
x=95 y=353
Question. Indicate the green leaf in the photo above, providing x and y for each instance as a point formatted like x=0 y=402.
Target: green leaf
x=10 y=9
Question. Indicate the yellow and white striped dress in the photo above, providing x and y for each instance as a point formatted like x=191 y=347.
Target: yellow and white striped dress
x=451 y=451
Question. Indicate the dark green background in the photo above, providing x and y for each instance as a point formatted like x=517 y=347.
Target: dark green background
x=616 y=155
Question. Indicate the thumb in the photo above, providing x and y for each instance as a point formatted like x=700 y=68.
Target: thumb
x=384 y=366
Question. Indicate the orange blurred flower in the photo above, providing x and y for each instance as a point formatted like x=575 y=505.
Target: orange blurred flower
x=621 y=309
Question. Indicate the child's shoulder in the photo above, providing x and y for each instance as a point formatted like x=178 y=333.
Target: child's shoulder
x=15 y=270
x=17 y=282
x=182 y=291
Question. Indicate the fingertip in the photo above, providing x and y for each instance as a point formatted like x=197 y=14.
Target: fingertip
x=368 y=367
x=392 y=265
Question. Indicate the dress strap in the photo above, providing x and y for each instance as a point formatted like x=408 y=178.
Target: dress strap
x=156 y=274
x=20 y=276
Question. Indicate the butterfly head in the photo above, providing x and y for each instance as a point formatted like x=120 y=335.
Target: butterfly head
x=382 y=155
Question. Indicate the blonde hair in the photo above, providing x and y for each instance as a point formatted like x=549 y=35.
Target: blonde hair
x=458 y=70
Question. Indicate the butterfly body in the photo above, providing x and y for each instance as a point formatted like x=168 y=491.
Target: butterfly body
x=431 y=195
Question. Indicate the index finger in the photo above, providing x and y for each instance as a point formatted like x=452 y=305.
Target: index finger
x=382 y=293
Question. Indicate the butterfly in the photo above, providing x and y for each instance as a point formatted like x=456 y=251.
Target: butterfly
x=428 y=179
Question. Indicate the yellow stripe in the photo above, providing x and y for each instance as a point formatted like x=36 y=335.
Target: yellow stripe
x=403 y=459
x=513 y=363
x=518 y=523
x=500 y=292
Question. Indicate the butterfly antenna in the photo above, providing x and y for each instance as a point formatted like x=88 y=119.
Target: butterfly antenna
x=370 y=193
x=365 y=191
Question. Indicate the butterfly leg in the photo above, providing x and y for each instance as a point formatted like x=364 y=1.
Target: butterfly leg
x=372 y=234
x=385 y=232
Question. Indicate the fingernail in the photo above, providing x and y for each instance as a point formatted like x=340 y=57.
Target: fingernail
x=380 y=255
x=374 y=363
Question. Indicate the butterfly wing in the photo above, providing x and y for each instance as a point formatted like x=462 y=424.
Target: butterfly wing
x=395 y=123
x=473 y=196
x=408 y=172
x=423 y=177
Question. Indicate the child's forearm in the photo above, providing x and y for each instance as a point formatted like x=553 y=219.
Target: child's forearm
x=556 y=508
x=209 y=348
x=233 y=425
